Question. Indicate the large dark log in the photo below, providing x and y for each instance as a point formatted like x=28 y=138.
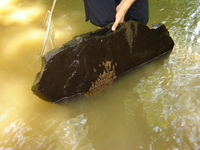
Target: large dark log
x=90 y=62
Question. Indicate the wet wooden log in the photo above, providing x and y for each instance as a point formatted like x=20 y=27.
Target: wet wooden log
x=90 y=62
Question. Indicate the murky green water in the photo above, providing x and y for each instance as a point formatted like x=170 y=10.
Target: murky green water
x=155 y=107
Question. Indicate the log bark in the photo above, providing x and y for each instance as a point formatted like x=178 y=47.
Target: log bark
x=89 y=63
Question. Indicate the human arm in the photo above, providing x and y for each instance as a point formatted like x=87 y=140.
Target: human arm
x=121 y=10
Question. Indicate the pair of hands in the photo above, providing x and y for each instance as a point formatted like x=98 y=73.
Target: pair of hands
x=121 y=10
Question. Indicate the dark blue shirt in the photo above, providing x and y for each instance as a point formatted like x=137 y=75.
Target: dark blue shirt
x=102 y=12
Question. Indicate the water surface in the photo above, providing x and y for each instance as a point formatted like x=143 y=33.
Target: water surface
x=153 y=107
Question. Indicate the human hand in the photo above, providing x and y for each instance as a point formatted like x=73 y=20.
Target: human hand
x=121 y=10
x=119 y=17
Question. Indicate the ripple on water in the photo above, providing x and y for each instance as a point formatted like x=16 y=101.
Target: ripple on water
x=67 y=134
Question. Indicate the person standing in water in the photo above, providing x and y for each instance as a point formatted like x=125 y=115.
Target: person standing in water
x=103 y=12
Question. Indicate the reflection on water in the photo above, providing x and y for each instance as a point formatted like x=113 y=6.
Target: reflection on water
x=154 y=107
x=67 y=134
